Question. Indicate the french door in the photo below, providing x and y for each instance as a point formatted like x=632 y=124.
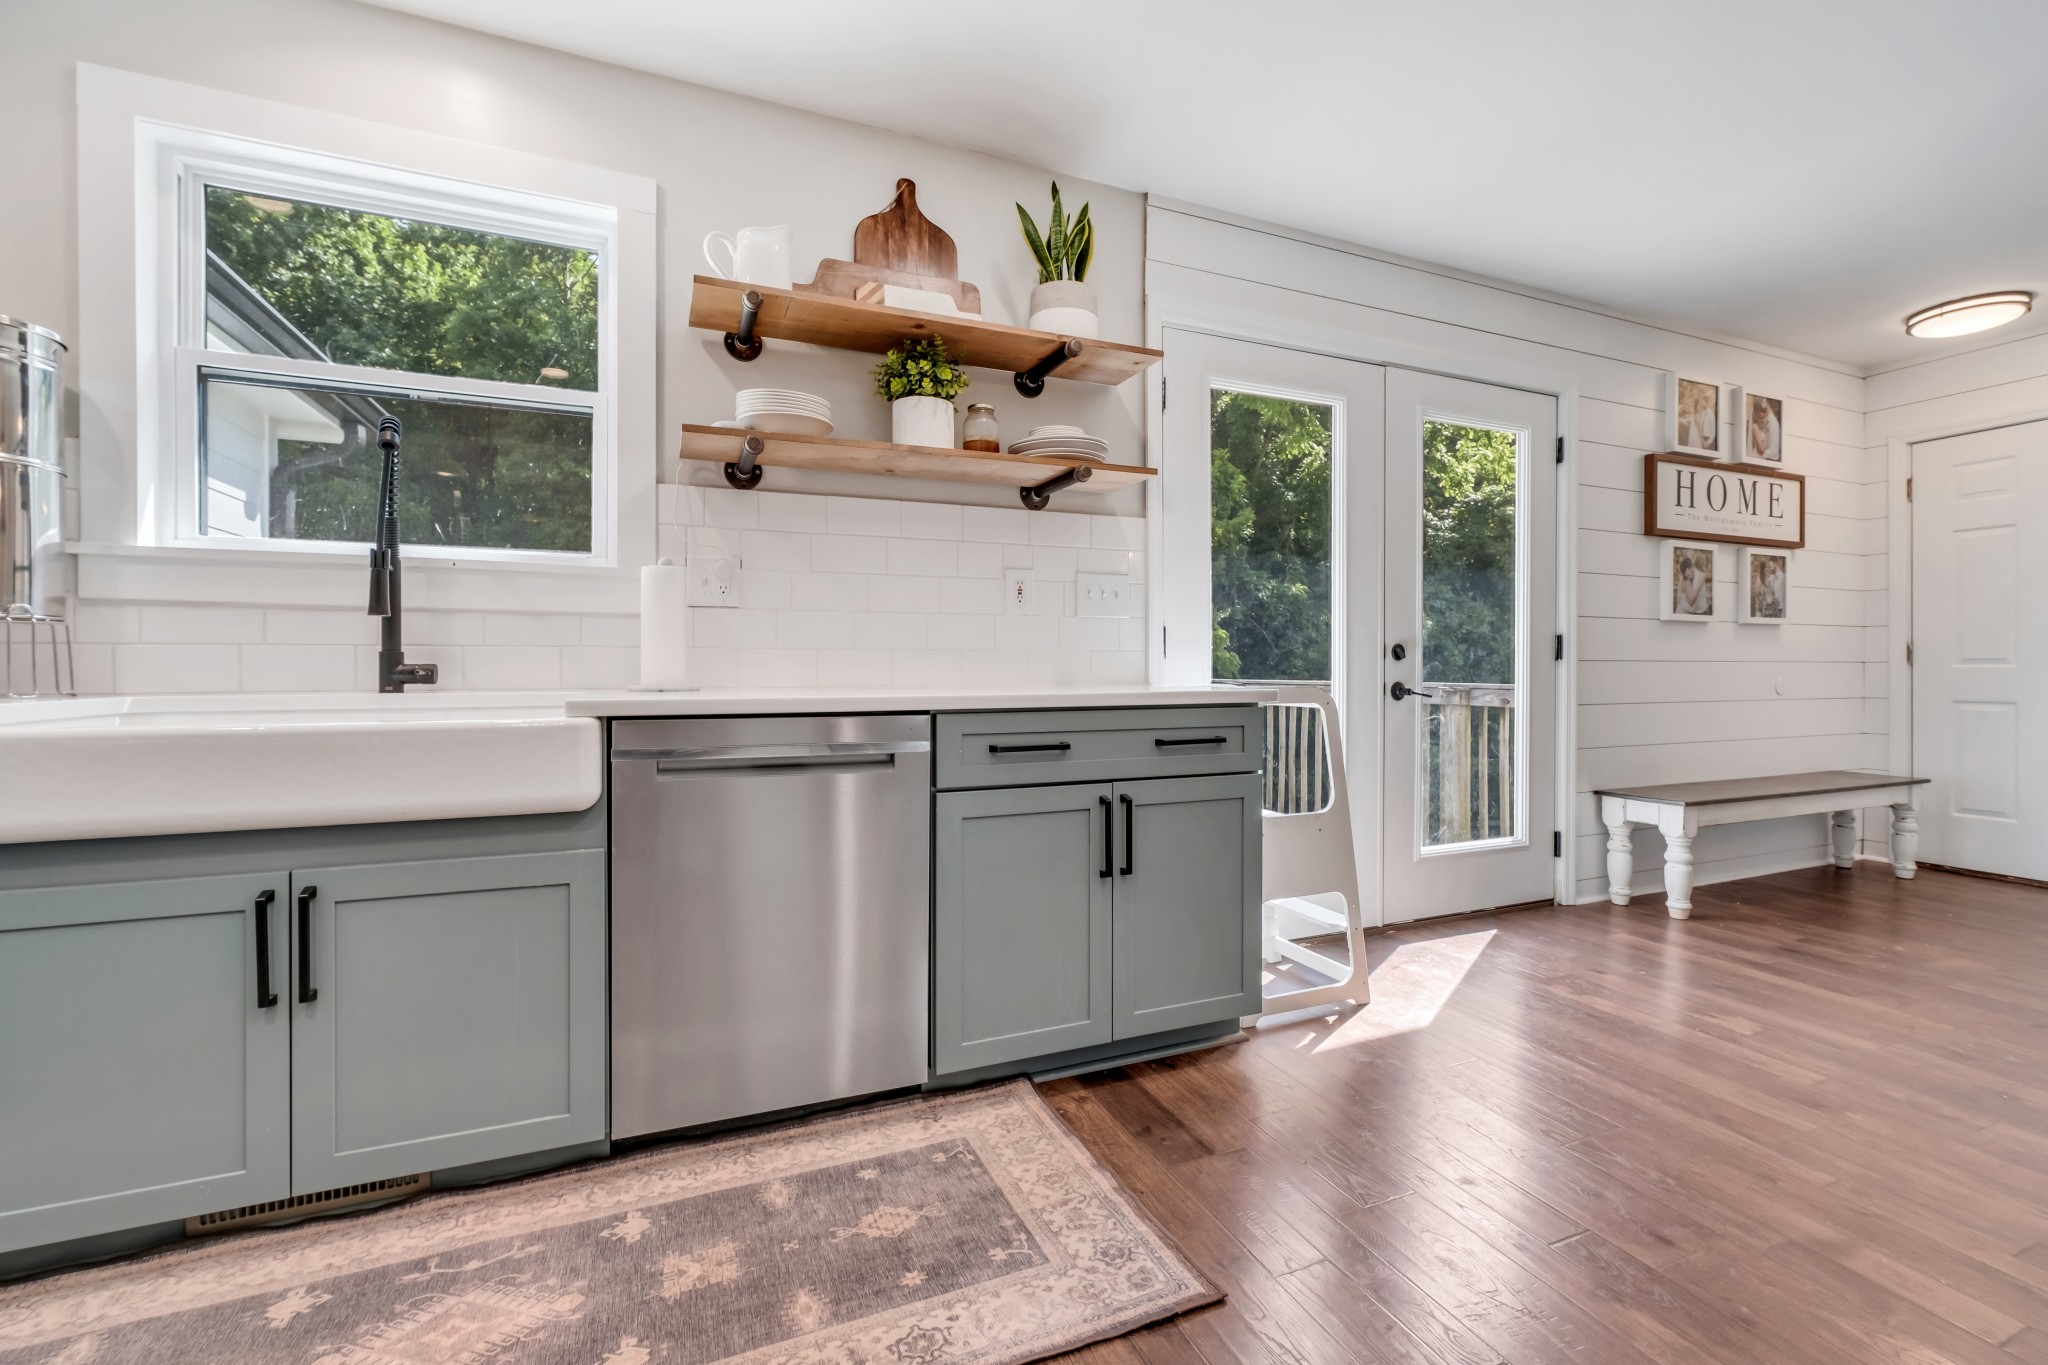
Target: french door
x=1332 y=521
x=1980 y=649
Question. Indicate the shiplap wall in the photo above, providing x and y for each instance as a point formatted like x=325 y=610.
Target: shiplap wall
x=1993 y=386
x=1657 y=701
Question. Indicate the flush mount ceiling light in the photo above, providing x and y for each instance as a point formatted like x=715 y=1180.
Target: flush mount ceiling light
x=1978 y=313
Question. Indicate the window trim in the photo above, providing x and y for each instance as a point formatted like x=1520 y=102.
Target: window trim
x=138 y=409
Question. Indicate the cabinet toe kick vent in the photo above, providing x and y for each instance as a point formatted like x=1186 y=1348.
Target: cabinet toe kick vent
x=309 y=1205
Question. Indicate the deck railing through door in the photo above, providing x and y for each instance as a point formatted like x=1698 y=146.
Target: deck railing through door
x=1468 y=778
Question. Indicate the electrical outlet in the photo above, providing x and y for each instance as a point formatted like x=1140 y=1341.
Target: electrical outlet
x=714 y=580
x=1108 y=594
x=1017 y=592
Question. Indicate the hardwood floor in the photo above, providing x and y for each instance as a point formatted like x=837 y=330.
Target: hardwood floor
x=1810 y=1124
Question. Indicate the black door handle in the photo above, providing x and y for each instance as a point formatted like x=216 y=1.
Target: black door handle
x=307 y=995
x=265 y=997
x=1060 y=747
x=1130 y=852
x=1108 y=837
x=1206 y=739
x=1401 y=691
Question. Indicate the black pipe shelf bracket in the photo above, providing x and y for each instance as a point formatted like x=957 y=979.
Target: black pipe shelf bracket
x=1031 y=382
x=1038 y=498
x=743 y=344
x=745 y=473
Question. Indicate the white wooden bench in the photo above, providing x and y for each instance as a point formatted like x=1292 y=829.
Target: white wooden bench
x=1680 y=809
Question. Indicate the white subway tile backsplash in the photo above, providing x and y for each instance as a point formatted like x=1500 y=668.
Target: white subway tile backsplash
x=765 y=589
x=1088 y=633
x=932 y=520
x=814 y=629
x=177 y=668
x=1027 y=632
x=774 y=550
x=995 y=523
x=106 y=623
x=983 y=596
x=299 y=668
x=165 y=624
x=611 y=630
x=1056 y=669
x=828 y=591
x=714 y=667
x=435 y=628
x=854 y=667
x=979 y=560
x=667 y=504
x=1103 y=561
x=1017 y=557
x=939 y=557
x=849 y=554
x=1053 y=564
x=511 y=668
x=889 y=630
x=792 y=512
x=887 y=593
x=1131 y=633
x=731 y=507
x=1121 y=666
x=92 y=669
x=961 y=632
x=776 y=668
x=726 y=628
x=524 y=628
x=600 y=666
x=1060 y=528
x=1117 y=533
x=995 y=669
x=925 y=668
x=672 y=543
x=864 y=516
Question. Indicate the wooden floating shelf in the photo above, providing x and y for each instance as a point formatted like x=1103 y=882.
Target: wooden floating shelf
x=723 y=445
x=829 y=320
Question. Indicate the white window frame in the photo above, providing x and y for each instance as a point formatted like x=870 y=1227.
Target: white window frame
x=195 y=161
x=146 y=146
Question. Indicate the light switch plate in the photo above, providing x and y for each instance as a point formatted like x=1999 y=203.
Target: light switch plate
x=1108 y=594
x=714 y=580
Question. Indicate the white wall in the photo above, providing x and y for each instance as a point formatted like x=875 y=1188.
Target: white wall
x=720 y=161
x=1657 y=701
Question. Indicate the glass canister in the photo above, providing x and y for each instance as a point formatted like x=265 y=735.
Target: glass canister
x=31 y=476
x=979 y=432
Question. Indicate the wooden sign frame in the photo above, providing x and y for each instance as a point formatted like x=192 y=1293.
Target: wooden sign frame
x=1728 y=473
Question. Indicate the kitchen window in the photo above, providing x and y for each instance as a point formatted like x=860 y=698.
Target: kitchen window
x=312 y=305
x=261 y=283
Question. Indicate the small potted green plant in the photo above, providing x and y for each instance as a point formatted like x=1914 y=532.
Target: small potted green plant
x=920 y=381
x=1062 y=302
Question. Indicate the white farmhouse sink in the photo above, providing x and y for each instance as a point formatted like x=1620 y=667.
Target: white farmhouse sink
x=108 y=767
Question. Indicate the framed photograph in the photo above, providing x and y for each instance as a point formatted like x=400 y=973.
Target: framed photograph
x=1694 y=412
x=1686 y=588
x=1763 y=586
x=1762 y=429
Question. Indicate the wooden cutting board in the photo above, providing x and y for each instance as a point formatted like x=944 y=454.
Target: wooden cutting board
x=901 y=238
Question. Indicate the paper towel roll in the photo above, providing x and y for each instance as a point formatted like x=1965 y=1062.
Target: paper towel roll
x=664 y=622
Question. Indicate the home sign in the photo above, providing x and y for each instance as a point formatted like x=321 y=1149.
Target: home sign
x=1695 y=499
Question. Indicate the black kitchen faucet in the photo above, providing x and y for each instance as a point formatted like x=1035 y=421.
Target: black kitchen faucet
x=393 y=672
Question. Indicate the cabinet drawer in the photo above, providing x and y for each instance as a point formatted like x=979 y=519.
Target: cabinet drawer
x=1029 y=748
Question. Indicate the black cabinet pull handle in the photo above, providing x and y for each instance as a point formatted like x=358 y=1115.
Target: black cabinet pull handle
x=1060 y=747
x=307 y=995
x=265 y=997
x=1108 y=837
x=1205 y=739
x=1130 y=848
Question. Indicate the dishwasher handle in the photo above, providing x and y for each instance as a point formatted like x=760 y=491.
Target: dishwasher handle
x=755 y=757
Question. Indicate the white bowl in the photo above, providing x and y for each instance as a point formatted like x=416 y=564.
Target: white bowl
x=790 y=424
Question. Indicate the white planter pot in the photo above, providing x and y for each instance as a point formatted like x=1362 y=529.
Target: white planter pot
x=922 y=421
x=1064 y=306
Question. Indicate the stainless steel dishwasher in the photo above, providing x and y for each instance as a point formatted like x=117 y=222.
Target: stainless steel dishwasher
x=770 y=914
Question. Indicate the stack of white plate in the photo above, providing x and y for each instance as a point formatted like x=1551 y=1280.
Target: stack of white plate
x=785 y=411
x=1058 y=440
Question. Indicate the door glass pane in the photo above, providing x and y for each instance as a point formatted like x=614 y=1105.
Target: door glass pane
x=1270 y=484
x=1470 y=631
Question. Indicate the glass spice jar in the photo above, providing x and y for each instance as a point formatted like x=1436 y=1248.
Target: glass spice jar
x=979 y=432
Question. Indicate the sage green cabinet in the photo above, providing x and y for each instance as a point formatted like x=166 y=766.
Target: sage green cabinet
x=1066 y=917
x=457 y=1014
x=142 y=1079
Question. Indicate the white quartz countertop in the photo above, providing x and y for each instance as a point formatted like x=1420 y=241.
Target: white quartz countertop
x=119 y=767
x=788 y=701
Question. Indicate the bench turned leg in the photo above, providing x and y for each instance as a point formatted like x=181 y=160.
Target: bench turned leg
x=1678 y=875
x=1845 y=838
x=1905 y=840
x=1621 y=861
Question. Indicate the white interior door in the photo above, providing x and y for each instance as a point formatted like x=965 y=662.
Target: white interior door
x=1980 y=649
x=1272 y=532
x=1470 y=685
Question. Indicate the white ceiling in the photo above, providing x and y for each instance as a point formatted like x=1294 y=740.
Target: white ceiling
x=1800 y=173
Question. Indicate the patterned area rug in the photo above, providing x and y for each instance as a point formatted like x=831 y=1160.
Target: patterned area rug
x=966 y=1228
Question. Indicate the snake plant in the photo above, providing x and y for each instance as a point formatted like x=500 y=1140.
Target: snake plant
x=1066 y=247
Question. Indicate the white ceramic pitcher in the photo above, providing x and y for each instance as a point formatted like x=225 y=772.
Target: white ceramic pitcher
x=760 y=256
